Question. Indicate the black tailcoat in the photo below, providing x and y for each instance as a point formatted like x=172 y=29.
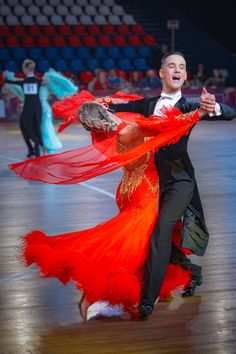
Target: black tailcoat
x=31 y=116
x=195 y=235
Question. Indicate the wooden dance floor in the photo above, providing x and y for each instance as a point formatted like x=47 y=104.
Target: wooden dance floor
x=40 y=316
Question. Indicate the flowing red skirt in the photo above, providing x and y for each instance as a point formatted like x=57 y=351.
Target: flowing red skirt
x=107 y=261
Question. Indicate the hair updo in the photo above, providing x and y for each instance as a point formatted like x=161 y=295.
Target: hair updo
x=94 y=117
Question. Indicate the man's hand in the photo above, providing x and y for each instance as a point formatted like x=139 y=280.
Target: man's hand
x=207 y=103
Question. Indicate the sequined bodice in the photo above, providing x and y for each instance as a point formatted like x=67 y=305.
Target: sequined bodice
x=139 y=182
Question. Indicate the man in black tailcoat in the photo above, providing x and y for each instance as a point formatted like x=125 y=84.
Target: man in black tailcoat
x=31 y=116
x=179 y=197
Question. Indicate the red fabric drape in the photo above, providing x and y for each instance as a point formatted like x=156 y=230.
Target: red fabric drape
x=101 y=156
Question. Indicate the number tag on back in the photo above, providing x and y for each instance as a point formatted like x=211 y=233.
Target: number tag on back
x=30 y=89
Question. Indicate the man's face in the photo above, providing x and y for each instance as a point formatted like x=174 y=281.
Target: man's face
x=173 y=73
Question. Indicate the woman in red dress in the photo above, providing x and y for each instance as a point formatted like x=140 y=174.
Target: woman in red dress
x=106 y=262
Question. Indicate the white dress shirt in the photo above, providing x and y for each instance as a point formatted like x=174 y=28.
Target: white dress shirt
x=170 y=99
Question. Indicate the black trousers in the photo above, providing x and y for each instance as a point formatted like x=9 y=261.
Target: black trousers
x=174 y=200
x=32 y=148
x=30 y=125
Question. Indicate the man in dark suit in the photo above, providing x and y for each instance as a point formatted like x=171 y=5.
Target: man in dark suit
x=31 y=116
x=179 y=197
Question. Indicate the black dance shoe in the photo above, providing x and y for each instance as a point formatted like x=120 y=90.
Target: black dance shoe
x=31 y=153
x=145 y=310
x=190 y=288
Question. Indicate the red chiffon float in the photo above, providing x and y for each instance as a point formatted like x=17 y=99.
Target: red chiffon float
x=106 y=261
x=102 y=156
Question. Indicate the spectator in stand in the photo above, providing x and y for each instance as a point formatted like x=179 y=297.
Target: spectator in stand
x=151 y=81
x=199 y=76
x=225 y=74
x=135 y=78
x=101 y=83
x=215 y=81
x=157 y=55
x=92 y=83
x=230 y=93
x=31 y=115
x=113 y=79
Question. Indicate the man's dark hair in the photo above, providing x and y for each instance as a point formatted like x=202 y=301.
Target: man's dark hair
x=173 y=52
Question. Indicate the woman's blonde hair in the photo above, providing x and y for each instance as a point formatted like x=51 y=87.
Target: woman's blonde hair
x=29 y=65
x=94 y=117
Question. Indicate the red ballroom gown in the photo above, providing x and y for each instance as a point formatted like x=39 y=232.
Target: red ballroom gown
x=106 y=262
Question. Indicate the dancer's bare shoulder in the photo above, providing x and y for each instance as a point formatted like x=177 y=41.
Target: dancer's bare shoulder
x=130 y=136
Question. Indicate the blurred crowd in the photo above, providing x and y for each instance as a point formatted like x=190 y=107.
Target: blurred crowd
x=135 y=81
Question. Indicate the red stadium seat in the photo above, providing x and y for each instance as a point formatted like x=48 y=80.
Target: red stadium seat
x=104 y=41
x=119 y=40
x=94 y=30
x=85 y=77
x=12 y=42
x=49 y=30
x=148 y=39
x=43 y=41
x=59 y=41
x=79 y=30
x=67 y=74
x=89 y=41
x=64 y=30
x=28 y=42
x=74 y=41
x=123 y=29
x=19 y=30
x=109 y=29
x=134 y=40
x=5 y=31
x=137 y=29
x=34 y=30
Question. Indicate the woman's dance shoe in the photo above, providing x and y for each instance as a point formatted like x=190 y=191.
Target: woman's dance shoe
x=83 y=308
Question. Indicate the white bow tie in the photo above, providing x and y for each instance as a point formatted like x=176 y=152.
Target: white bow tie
x=169 y=96
x=165 y=96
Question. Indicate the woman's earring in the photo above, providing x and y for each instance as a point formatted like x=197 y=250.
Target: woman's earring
x=105 y=106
